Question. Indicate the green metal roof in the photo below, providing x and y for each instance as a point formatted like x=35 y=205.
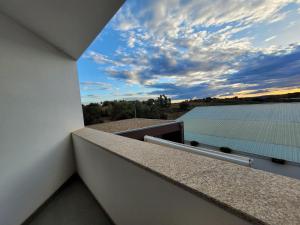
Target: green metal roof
x=271 y=130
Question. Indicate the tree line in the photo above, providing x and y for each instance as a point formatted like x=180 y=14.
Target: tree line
x=117 y=110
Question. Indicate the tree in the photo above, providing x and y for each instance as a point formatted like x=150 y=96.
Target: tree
x=122 y=110
x=208 y=99
x=163 y=101
x=150 y=102
x=92 y=113
x=117 y=110
x=184 y=105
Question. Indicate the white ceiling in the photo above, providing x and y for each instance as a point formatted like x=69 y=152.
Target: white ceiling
x=70 y=25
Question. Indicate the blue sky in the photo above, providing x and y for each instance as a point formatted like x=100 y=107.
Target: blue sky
x=193 y=49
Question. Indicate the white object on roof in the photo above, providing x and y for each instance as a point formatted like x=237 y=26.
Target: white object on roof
x=244 y=161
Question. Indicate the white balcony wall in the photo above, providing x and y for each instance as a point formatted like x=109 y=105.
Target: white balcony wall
x=132 y=195
x=39 y=108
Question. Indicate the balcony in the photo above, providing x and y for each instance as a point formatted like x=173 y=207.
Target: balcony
x=56 y=171
x=142 y=183
x=167 y=186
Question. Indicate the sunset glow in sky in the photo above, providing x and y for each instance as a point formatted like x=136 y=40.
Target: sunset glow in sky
x=193 y=49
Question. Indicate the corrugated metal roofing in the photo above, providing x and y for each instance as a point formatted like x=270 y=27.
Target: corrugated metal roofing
x=271 y=130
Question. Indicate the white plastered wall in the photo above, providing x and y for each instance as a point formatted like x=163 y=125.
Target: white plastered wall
x=39 y=108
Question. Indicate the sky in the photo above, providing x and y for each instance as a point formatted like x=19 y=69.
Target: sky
x=189 y=49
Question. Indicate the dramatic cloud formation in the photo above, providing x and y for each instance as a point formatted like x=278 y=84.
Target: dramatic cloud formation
x=200 y=48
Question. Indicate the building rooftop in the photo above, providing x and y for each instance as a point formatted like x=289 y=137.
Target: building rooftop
x=270 y=130
x=260 y=197
x=128 y=124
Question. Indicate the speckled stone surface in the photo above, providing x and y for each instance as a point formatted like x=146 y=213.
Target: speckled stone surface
x=128 y=124
x=258 y=196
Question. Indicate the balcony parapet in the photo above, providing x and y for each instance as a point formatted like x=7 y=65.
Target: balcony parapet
x=252 y=195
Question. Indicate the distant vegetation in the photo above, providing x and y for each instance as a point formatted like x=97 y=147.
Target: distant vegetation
x=161 y=108
x=117 y=110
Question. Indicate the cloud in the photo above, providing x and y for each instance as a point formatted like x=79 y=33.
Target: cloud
x=131 y=41
x=91 y=98
x=262 y=74
x=182 y=92
x=94 y=86
x=270 y=38
x=100 y=58
x=273 y=70
x=97 y=57
x=171 y=15
x=200 y=47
